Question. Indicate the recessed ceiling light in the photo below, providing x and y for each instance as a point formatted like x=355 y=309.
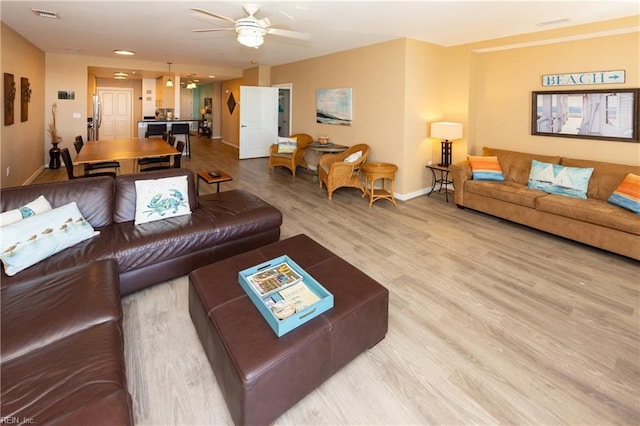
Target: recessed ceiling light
x=124 y=52
x=119 y=77
x=120 y=74
x=45 y=13
x=212 y=76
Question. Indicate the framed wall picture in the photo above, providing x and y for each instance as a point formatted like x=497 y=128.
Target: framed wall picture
x=607 y=114
x=333 y=106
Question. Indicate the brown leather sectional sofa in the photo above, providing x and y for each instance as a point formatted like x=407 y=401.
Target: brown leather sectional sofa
x=62 y=347
x=591 y=221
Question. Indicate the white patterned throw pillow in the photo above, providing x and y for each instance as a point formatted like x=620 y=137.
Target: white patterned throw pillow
x=27 y=242
x=353 y=157
x=287 y=145
x=37 y=206
x=158 y=199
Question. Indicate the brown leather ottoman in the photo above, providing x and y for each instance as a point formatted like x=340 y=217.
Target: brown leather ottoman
x=261 y=375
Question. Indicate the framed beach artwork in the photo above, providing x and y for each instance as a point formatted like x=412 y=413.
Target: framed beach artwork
x=607 y=114
x=333 y=106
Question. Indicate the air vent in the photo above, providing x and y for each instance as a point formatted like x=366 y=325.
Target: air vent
x=45 y=13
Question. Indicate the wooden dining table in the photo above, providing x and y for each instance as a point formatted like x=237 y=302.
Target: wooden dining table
x=123 y=149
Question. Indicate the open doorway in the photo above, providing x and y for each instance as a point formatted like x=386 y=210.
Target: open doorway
x=284 y=109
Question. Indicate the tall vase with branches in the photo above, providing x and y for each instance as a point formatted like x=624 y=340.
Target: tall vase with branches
x=52 y=130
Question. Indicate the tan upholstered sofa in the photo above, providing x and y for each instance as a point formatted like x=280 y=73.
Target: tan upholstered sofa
x=593 y=221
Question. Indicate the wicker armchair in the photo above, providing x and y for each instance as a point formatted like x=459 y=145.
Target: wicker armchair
x=290 y=160
x=335 y=173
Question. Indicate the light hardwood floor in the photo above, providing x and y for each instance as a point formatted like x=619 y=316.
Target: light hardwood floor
x=489 y=322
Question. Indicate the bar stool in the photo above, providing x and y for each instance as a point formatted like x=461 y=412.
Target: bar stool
x=154 y=130
x=182 y=129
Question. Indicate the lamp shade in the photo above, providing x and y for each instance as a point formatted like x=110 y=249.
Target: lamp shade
x=446 y=130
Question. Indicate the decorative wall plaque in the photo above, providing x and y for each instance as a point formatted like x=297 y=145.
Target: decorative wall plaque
x=25 y=98
x=9 y=98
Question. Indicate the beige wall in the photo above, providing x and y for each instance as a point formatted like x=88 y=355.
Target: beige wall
x=399 y=87
x=377 y=76
x=230 y=123
x=503 y=80
x=23 y=143
x=504 y=118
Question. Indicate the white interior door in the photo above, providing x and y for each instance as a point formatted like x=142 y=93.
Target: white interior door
x=258 y=120
x=117 y=107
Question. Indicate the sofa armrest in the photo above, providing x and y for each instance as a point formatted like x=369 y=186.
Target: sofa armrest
x=460 y=173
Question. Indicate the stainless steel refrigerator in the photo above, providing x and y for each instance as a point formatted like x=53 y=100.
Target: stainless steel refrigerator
x=94 y=133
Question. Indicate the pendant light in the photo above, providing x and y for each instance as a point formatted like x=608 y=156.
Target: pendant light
x=169 y=82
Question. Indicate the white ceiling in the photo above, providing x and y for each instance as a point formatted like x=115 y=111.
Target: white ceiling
x=160 y=31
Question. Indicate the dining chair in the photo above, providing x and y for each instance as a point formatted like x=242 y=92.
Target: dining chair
x=291 y=160
x=182 y=129
x=176 y=160
x=68 y=163
x=158 y=160
x=78 y=143
x=343 y=169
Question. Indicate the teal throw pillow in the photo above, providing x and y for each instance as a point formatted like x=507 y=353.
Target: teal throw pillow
x=27 y=242
x=561 y=180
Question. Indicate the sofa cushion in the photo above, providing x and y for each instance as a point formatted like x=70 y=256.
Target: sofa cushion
x=516 y=166
x=125 y=191
x=591 y=210
x=485 y=168
x=158 y=199
x=45 y=309
x=76 y=380
x=506 y=191
x=561 y=180
x=94 y=197
x=25 y=243
x=96 y=248
x=605 y=178
x=135 y=247
x=627 y=194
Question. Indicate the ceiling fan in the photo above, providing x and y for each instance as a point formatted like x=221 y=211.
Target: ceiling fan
x=250 y=30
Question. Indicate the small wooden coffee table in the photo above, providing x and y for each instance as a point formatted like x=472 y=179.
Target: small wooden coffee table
x=209 y=178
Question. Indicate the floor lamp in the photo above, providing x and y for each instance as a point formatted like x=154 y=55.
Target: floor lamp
x=448 y=132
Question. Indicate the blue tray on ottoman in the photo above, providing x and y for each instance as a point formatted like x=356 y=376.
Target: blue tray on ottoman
x=265 y=299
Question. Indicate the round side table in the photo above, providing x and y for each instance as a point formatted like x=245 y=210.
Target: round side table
x=379 y=171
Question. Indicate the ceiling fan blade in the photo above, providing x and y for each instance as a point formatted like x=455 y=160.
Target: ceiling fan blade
x=213 y=15
x=208 y=30
x=287 y=33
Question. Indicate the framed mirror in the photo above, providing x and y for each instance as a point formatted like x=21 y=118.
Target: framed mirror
x=606 y=114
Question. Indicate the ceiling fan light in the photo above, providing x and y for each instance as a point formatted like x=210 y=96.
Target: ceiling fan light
x=251 y=37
